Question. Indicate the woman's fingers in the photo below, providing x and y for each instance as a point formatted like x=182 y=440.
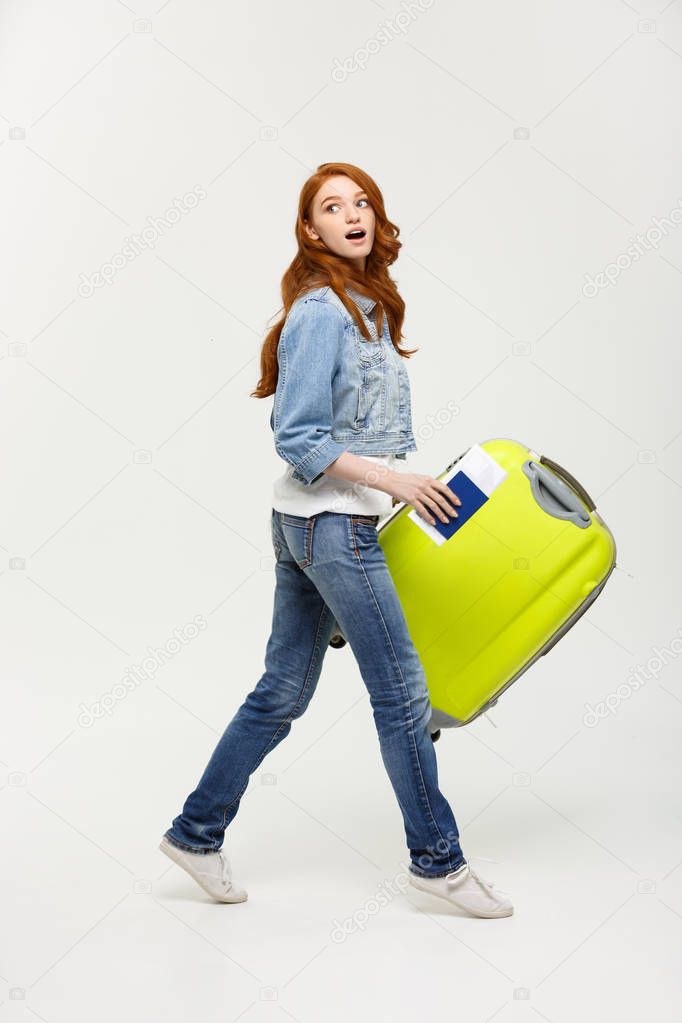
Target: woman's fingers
x=445 y=501
x=423 y=512
x=435 y=497
x=443 y=511
x=445 y=490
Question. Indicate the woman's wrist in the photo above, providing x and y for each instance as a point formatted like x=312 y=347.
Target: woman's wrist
x=387 y=480
x=362 y=472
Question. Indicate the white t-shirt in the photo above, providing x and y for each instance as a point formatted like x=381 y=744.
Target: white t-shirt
x=333 y=494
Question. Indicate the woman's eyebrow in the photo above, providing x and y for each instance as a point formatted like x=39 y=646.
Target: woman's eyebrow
x=361 y=192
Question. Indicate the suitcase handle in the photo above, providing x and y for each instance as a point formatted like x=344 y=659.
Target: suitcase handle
x=571 y=480
x=554 y=496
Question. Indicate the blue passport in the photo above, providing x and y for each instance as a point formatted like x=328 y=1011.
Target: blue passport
x=471 y=497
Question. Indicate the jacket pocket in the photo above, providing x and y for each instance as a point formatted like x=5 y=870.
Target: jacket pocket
x=370 y=353
x=362 y=406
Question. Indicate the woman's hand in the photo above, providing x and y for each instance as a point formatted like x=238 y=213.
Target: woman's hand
x=424 y=493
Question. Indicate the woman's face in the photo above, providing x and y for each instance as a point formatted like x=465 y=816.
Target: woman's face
x=339 y=208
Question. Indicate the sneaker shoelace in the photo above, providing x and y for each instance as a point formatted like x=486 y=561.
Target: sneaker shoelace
x=486 y=884
x=459 y=876
x=225 y=872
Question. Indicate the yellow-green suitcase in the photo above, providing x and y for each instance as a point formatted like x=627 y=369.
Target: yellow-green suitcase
x=485 y=597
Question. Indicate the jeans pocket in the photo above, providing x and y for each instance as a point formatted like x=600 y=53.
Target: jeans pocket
x=276 y=545
x=298 y=532
x=364 y=534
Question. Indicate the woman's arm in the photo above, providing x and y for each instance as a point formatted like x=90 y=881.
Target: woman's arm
x=307 y=354
x=424 y=493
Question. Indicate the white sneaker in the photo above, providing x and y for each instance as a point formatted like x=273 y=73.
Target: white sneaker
x=464 y=888
x=210 y=870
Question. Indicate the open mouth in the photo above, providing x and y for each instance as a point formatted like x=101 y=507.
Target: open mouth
x=356 y=234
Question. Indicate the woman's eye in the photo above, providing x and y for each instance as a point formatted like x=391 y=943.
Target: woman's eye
x=334 y=204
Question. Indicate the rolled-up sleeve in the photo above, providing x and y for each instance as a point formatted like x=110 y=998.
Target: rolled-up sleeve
x=308 y=353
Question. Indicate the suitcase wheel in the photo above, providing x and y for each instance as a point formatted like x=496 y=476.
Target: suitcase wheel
x=435 y=736
x=337 y=641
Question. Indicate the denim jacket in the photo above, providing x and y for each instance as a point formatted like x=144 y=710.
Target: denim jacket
x=337 y=392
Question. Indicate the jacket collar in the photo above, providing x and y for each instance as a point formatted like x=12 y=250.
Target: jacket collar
x=363 y=301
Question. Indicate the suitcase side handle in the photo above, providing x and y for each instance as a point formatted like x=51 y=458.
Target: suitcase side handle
x=554 y=496
x=571 y=480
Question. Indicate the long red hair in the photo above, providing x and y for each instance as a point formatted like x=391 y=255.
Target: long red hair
x=315 y=266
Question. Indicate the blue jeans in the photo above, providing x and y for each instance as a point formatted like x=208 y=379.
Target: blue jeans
x=330 y=568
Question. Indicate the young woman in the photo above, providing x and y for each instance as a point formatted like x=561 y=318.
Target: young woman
x=342 y=422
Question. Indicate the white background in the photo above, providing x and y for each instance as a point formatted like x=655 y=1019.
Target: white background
x=519 y=146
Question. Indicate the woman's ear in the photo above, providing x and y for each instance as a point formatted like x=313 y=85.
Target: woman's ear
x=310 y=231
